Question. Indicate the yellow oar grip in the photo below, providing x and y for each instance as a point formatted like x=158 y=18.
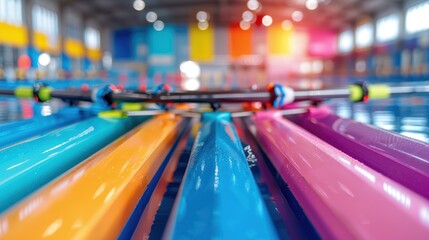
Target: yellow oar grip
x=24 y=92
x=45 y=94
x=374 y=92
x=379 y=91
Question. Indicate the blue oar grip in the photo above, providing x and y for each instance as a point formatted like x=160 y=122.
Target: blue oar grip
x=103 y=95
x=163 y=88
x=283 y=95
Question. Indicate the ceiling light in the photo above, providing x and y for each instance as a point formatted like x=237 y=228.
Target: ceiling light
x=267 y=20
x=244 y=25
x=158 y=25
x=311 y=4
x=138 y=5
x=202 y=16
x=190 y=69
x=191 y=84
x=247 y=16
x=151 y=16
x=287 y=25
x=297 y=16
x=253 y=5
x=44 y=59
x=203 y=25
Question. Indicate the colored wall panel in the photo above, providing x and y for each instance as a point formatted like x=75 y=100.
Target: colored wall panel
x=93 y=54
x=161 y=42
x=74 y=48
x=279 y=40
x=240 y=41
x=122 y=48
x=201 y=47
x=321 y=43
x=42 y=43
x=13 y=35
x=161 y=52
x=139 y=43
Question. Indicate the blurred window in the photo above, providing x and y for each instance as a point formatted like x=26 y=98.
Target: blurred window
x=416 y=18
x=388 y=28
x=364 y=35
x=45 y=21
x=345 y=41
x=11 y=11
x=92 y=38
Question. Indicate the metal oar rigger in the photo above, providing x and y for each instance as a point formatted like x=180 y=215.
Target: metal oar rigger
x=274 y=95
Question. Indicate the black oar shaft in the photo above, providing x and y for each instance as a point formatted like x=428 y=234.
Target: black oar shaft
x=195 y=97
x=73 y=95
x=7 y=92
x=328 y=93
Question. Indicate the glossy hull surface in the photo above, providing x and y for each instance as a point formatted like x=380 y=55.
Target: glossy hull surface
x=400 y=158
x=29 y=165
x=219 y=198
x=17 y=131
x=95 y=199
x=342 y=197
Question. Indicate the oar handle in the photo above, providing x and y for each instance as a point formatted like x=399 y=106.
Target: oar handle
x=41 y=94
x=363 y=92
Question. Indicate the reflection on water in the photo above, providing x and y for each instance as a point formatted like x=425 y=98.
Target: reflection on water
x=405 y=115
x=12 y=108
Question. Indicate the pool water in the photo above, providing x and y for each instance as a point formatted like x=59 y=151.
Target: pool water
x=12 y=108
x=405 y=115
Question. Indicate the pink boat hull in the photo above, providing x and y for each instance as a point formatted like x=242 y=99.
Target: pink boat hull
x=342 y=197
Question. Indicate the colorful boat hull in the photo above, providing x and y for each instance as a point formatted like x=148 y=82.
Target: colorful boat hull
x=400 y=158
x=342 y=197
x=29 y=165
x=101 y=193
x=219 y=197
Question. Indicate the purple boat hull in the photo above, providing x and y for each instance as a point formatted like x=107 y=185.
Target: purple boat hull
x=400 y=158
x=343 y=198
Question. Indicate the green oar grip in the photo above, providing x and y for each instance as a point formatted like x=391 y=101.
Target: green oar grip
x=24 y=92
x=44 y=94
x=129 y=106
x=374 y=92
x=112 y=114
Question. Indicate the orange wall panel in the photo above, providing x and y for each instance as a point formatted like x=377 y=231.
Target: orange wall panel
x=240 y=41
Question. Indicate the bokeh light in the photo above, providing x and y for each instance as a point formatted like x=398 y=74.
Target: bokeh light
x=158 y=25
x=151 y=16
x=267 y=20
x=139 y=5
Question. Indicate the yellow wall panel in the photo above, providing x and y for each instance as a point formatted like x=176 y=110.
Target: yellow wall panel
x=13 y=35
x=41 y=41
x=74 y=48
x=279 y=40
x=93 y=54
x=201 y=44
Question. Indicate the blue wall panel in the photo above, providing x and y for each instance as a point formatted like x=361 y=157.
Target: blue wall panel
x=122 y=47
